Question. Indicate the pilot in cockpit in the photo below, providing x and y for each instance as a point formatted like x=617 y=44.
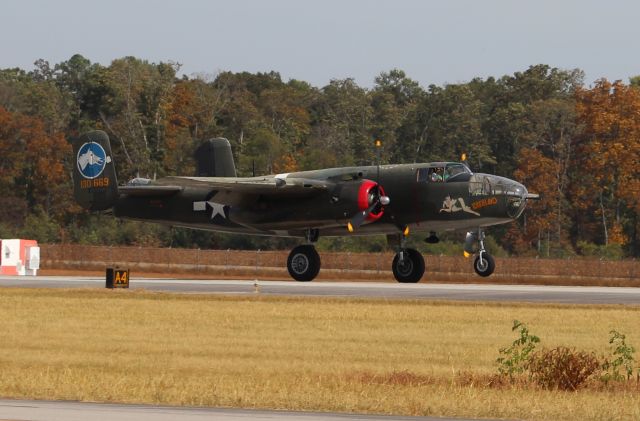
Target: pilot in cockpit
x=437 y=175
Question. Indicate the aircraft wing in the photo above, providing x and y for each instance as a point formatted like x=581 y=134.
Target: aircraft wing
x=265 y=186
x=293 y=187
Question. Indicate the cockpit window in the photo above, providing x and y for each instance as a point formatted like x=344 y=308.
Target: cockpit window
x=423 y=175
x=436 y=175
x=439 y=174
x=486 y=185
x=454 y=170
x=431 y=175
x=480 y=185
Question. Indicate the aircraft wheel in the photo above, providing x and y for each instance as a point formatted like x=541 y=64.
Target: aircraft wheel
x=303 y=263
x=410 y=269
x=484 y=266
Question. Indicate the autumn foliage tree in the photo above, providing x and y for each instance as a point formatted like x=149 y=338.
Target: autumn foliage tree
x=537 y=172
x=577 y=147
x=33 y=173
x=606 y=191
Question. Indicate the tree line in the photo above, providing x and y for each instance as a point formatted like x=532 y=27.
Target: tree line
x=577 y=146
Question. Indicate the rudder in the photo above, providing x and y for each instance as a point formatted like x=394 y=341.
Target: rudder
x=214 y=159
x=95 y=185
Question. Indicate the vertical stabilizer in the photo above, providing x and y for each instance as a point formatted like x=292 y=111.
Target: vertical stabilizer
x=214 y=159
x=95 y=185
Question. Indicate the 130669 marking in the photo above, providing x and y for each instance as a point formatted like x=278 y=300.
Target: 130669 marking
x=95 y=182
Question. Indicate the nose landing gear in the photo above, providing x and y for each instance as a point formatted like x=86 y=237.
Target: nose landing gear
x=483 y=264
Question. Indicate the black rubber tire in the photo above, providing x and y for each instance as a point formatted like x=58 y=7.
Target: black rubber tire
x=303 y=263
x=412 y=269
x=486 y=267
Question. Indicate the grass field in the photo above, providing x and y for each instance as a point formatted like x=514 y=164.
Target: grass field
x=394 y=357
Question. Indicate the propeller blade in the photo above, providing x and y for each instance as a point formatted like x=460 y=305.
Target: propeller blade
x=359 y=217
x=379 y=199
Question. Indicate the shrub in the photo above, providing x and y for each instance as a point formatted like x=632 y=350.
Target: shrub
x=622 y=359
x=516 y=357
x=562 y=368
x=607 y=252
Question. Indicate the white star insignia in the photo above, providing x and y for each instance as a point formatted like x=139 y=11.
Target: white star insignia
x=217 y=209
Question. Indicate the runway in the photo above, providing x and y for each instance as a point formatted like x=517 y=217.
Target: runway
x=426 y=291
x=26 y=410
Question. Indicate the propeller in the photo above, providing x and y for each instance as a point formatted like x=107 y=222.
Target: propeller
x=377 y=197
x=377 y=200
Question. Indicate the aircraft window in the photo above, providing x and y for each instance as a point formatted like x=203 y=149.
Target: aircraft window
x=498 y=188
x=432 y=175
x=454 y=170
x=480 y=186
x=422 y=175
x=436 y=175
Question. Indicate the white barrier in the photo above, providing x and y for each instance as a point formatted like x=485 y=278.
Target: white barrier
x=19 y=257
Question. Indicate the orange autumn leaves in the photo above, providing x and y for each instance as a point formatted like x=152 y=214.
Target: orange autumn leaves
x=603 y=173
x=32 y=163
x=610 y=143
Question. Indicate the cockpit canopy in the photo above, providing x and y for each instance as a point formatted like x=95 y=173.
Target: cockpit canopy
x=441 y=172
x=514 y=193
x=486 y=185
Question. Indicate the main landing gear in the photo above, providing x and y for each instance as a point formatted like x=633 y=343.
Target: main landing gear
x=408 y=263
x=408 y=266
x=303 y=262
x=483 y=264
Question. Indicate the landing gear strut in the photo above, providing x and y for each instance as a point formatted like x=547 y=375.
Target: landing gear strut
x=483 y=264
x=408 y=264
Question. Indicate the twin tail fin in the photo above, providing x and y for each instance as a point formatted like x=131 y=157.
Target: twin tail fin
x=95 y=185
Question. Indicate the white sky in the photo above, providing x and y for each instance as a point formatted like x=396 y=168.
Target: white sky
x=437 y=42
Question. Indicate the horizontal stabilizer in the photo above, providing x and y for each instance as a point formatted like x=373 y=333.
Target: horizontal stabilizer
x=149 y=190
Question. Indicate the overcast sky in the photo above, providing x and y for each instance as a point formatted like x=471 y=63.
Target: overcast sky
x=434 y=42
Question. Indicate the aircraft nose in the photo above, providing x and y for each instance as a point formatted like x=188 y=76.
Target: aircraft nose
x=516 y=199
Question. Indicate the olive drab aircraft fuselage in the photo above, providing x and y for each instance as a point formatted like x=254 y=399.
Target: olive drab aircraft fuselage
x=392 y=200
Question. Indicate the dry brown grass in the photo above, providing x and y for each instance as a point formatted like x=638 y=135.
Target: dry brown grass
x=352 y=355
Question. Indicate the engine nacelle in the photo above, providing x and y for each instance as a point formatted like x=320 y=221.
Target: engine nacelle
x=358 y=196
x=334 y=208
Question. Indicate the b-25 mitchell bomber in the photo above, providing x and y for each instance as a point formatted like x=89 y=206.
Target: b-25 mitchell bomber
x=391 y=200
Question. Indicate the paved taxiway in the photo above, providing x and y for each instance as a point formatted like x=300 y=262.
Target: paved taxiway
x=462 y=292
x=15 y=410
